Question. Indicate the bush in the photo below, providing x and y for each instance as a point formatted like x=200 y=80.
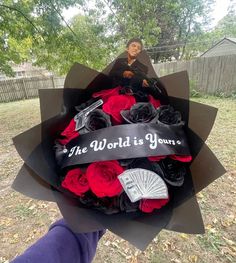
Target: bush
x=193 y=91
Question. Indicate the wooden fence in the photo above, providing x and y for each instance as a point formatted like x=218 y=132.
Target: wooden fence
x=26 y=88
x=210 y=75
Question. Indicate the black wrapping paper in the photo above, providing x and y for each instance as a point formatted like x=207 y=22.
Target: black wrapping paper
x=38 y=177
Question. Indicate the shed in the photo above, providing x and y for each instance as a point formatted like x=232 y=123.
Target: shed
x=226 y=46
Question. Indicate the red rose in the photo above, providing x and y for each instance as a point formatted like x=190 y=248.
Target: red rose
x=76 y=182
x=156 y=158
x=102 y=178
x=156 y=103
x=181 y=158
x=115 y=104
x=148 y=205
x=69 y=133
x=105 y=94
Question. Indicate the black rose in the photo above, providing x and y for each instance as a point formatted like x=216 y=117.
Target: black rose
x=125 y=162
x=126 y=205
x=143 y=163
x=106 y=205
x=173 y=171
x=143 y=112
x=96 y=120
x=167 y=115
x=60 y=152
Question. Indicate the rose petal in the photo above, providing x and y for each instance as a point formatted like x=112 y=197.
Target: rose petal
x=69 y=133
x=156 y=158
x=143 y=112
x=148 y=205
x=76 y=182
x=115 y=104
x=156 y=103
x=97 y=120
x=102 y=178
x=105 y=94
x=182 y=158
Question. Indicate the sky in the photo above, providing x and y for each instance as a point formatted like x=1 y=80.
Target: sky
x=219 y=12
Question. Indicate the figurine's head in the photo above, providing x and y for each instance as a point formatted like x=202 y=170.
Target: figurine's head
x=134 y=47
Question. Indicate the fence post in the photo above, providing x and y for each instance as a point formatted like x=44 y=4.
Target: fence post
x=24 y=88
x=53 y=82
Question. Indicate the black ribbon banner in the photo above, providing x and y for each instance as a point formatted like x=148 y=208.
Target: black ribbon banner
x=126 y=141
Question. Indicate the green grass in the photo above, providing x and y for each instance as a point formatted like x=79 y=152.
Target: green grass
x=222 y=139
x=23 y=211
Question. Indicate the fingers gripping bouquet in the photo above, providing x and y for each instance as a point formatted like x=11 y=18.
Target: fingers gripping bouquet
x=117 y=158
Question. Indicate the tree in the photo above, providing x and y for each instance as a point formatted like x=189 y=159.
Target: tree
x=86 y=45
x=34 y=23
x=227 y=25
x=201 y=42
x=35 y=30
x=13 y=28
x=160 y=23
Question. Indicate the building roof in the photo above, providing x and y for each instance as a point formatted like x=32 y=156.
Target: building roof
x=230 y=39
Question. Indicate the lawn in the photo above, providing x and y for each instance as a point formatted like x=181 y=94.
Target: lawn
x=24 y=220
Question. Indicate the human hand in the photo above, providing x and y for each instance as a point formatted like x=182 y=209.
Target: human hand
x=145 y=83
x=128 y=74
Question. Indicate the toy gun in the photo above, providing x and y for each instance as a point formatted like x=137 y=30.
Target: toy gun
x=80 y=118
x=155 y=88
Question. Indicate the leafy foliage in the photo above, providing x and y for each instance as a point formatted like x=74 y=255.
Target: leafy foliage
x=85 y=45
x=160 y=23
x=34 y=30
x=227 y=25
x=202 y=41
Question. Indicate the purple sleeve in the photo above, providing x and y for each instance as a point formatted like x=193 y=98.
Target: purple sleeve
x=62 y=245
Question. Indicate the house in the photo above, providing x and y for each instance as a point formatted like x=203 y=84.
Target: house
x=26 y=70
x=226 y=46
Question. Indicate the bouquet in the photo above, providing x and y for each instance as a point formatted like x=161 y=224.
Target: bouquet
x=114 y=159
x=127 y=184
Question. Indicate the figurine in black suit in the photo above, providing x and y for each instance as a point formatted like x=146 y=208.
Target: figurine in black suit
x=130 y=71
x=132 y=74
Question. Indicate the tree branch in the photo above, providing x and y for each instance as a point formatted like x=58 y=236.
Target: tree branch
x=25 y=17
